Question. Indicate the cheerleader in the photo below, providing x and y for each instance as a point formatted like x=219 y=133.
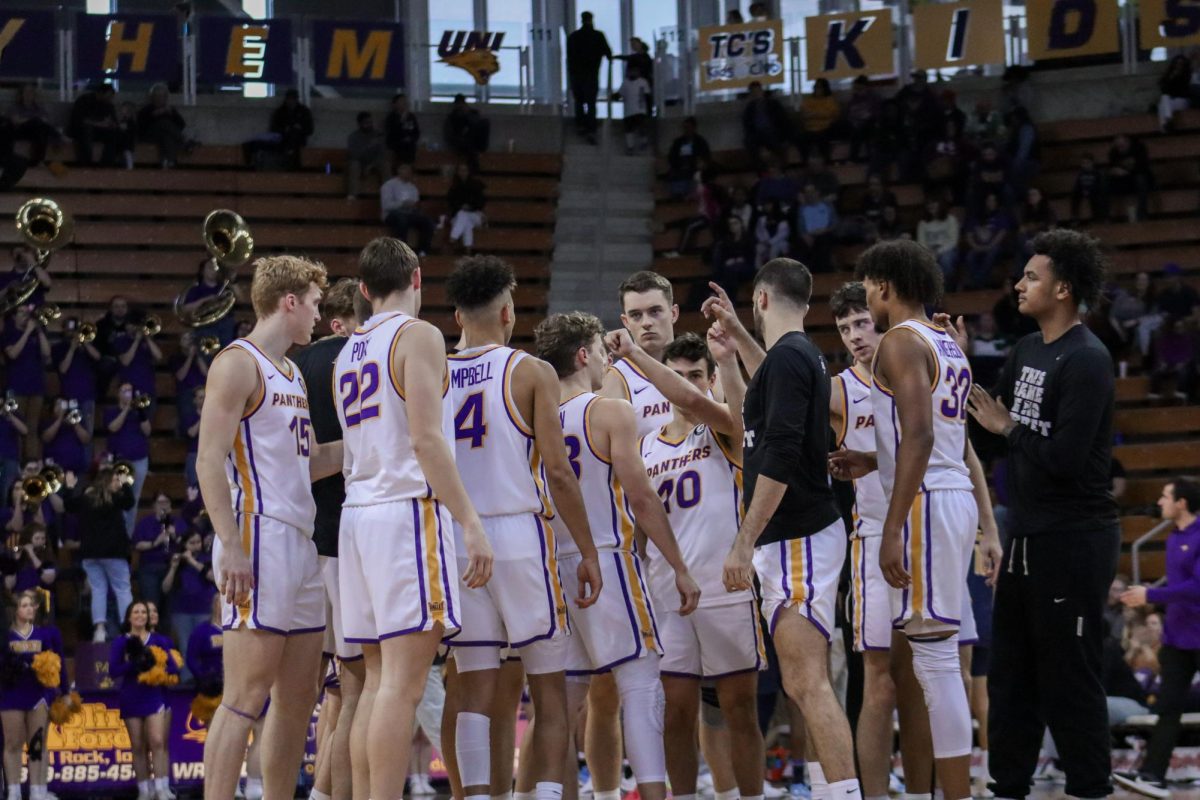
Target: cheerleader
x=33 y=672
x=144 y=661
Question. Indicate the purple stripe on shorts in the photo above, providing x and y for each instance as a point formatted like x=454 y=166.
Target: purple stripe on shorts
x=541 y=534
x=446 y=586
x=633 y=623
x=419 y=552
x=929 y=558
x=253 y=467
x=808 y=577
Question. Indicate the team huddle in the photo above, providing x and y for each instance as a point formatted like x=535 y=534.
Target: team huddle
x=623 y=517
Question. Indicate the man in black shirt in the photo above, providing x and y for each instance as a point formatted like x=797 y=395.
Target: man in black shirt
x=1055 y=409
x=586 y=49
x=792 y=534
x=345 y=308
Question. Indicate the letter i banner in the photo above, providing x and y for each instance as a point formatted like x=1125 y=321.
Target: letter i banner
x=848 y=45
x=950 y=35
x=143 y=46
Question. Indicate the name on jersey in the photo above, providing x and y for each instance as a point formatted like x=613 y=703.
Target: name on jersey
x=679 y=462
x=289 y=400
x=654 y=409
x=864 y=421
x=949 y=348
x=26 y=646
x=469 y=376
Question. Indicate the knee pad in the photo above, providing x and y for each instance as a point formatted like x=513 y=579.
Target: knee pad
x=937 y=667
x=473 y=745
x=643 y=704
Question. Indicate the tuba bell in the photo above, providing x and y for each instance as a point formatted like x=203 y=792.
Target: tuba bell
x=229 y=243
x=39 y=487
x=44 y=226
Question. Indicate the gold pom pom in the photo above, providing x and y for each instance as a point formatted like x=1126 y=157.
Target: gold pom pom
x=177 y=658
x=204 y=707
x=65 y=708
x=156 y=675
x=47 y=666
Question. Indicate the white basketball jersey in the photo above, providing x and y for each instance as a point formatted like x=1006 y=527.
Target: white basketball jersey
x=268 y=465
x=608 y=511
x=379 y=463
x=649 y=406
x=858 y=433
x=493 y=445
x=950 y=386
x=700 y=484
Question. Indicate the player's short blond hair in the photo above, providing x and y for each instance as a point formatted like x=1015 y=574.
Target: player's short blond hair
x=559 y=336
x=275 y=277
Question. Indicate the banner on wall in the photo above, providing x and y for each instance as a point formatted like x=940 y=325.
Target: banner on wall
x=235 y=50
x=851 y=44
x=27 y=44
x=1069 y=28
x=1169 y=23
x=472 y=51
x=734 y=56
x=142 y=46
x=958 y=34
x=358 y=53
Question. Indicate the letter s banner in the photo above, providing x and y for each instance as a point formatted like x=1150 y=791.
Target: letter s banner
x=1163 y=23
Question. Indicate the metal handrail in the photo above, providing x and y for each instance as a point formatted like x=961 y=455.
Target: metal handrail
x=1135 y=550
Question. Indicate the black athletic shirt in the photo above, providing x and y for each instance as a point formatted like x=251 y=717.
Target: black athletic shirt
x=786 y=413
x=316 y=365
x=1061 y=396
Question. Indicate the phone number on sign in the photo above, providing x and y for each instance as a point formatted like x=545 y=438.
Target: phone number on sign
x=87 y=773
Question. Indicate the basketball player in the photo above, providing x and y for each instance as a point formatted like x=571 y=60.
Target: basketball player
x=397 y=569
x=920 y=383
x=509 y=449
x=694 y=463
x=316 y=365
x=256 y=462
x=792 y=533
x=619 y=633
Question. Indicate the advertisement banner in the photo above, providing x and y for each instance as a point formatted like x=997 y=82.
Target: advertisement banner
x=958 y=34
x=734 y=56
x=235 y=51
x=1069 y=28
x=142 y=46
x=848 y=45
x=358 y=53
x=1169 y=23
x=28 y=42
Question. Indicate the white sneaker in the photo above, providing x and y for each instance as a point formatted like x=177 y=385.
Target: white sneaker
x=704 y=783
x=419 y=785
x=164 y=794
x=772 y=792
x=979 y=788
x=585 y=788
x=99 y=635
x=628 y=784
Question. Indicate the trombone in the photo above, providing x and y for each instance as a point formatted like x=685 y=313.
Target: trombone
x=229 y=243
x=44 y=226
x=86 y=333
x=152 y=326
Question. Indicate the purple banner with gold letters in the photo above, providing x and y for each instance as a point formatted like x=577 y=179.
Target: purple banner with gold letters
x=239 y=50
x=142 y=46
x=358 y=53
x=27 y=44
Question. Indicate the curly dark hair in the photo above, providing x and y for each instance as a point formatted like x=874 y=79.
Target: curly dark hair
x=849 y=298
x=478 y=280
x=692 y=347
x=1075 y=259
x=559 y=336
x=909 y=268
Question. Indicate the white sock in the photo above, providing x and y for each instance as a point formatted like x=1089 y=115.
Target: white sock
x=918 y=796
x=728 y=794
x=817 y=782
x=845 y=790
x=548 y=790
x=253 y=789
x=984 y=772
x=938 y=795
x=473 y=746
x=36 y=792
x=615 y=794
x=145 y=787
x=162 y=783
x=315 y=795
x=14 y=791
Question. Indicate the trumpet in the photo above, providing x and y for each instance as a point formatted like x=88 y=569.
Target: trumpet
x=142 y=400
x=152 y=326
x=74 y=417
x=43 y=225
x=47 y=313
x=123 y=470
x=228 y=241
x=39 y=487
x=209 y=345
x=11 y=405
x=86 y=333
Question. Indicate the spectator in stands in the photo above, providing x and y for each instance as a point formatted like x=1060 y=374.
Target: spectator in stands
x=128 y=429
x=466 y=131
x=33 y=566
x=400 y=206
x=1023 y=149
x=733 y=16
x=465 y=201
x=759 y=12
x=862 y=114
x=636 y=99
x=938 y=230
x=126 y=133
x=21 y=512
x=78 y=366
x=1176 y=88
x=94 y=121
x=864 y=225
x=820 y=120
x=12 y=431
x=775 y=186
x=189 y=585
x=640 y=58
x=989 y=175
x=988 y=236
x=31 y=123
x=741 y=207
x=1179 y=654
x=766 y=128
x=816 y=220
x=946 y=161
x=1035 y=216
x=1126 y=696
x=290 y=128
x=891 y=227
x=27 y=351
x=772 y=234
x=1136 y=313
x=733 y=256
x=112 y=325
x=586 y=50
x=25 y=263
x=920 y=117
x=985 y=124
x=1089 y=187
x=137 y=354
x=988 y=350
x=156 y=538
x=191 y=432
x=1011 y=323
x=210 y=280
x=1129 y=174
x=1176 y=298
x=1114 y=611
x=821 y=175
x=103 y=541
x=190 y=369
x=161 y=124
x=707 y=197
x=1174 y=360
x=365 y=153
x=683 y=159
x=948 y=111
x=66 y=439
x=402 y=131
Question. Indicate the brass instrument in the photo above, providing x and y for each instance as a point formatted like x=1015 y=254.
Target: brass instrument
x=39 y=487
x=142 y=401
x=123 y=470
x=228 y=241
x=209 y=345
x=152 y=326
x=11 y=405
x=86 y=333
x=44 y=226
x=45 y=314
x=74 y=417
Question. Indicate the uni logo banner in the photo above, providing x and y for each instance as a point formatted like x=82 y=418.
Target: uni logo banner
x=734 y=56
x=846 y=45
x=237 y=50
x=1163 y=23
x=472 y=51
x=958 y=34
x=358 y=53
x=27 y=44
x=1067 y=28
x=144 y=46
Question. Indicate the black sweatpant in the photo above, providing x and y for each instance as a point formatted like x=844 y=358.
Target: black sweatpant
x=1178 y=667
x=1048 y=631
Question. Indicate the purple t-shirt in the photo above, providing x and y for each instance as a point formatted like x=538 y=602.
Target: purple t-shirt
x=193 y=590
x=10 y=441
x=14 y=275
x=65 y=449
x=188 y=422
x=26 y=372
x=192 y=379
x=79 y=381
x=140 y=371
x=129 y=441
x=147 y=529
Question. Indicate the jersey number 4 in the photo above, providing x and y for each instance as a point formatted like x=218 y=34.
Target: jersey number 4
x=469 y=423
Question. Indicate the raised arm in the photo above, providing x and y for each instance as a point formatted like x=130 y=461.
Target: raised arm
x=733 y=385
x=719 y=308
